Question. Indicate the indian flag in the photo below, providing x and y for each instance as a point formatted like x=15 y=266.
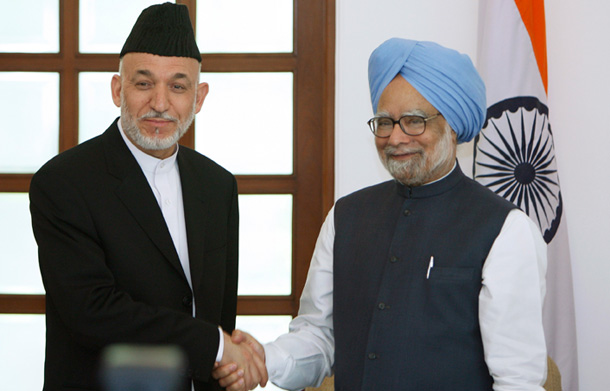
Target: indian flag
x=514 y=154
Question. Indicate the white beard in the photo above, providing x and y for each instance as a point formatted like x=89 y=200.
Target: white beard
x=131 y=129
x=422 y=167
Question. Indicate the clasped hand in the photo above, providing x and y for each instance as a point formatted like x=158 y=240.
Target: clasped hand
x=243 y=363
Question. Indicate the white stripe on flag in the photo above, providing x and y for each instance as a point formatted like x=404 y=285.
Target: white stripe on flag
x=515 y=157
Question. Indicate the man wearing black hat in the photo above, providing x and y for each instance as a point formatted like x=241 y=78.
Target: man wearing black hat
x=138 y=237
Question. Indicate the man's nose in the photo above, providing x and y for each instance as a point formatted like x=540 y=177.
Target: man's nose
x=398 y=136
x=160 y=99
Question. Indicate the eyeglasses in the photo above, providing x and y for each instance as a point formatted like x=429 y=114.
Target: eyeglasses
x=412 y=125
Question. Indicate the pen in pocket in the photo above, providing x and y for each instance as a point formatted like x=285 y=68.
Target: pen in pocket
x=430 y=266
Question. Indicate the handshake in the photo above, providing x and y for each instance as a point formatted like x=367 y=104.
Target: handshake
x=243 y=363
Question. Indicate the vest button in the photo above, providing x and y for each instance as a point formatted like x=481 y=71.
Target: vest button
x=406 y=212
x=393 y=259
x=381 y=306
x=187 y=301
x=372 y=356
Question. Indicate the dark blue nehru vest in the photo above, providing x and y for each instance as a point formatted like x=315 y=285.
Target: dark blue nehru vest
x=396 y=329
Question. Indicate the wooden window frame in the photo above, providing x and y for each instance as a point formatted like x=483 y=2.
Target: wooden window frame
x=312 y=181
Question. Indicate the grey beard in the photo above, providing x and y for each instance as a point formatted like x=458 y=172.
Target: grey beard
x=131 y=129
x=410 y=173
x=415 y=172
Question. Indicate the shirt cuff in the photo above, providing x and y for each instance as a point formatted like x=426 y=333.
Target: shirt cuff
x=275 y=363
x=221 y=345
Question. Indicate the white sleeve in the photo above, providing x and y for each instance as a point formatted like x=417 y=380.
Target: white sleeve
x=305 y=356
x=510 y=306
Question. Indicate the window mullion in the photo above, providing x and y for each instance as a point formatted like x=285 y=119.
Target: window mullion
x=68 y=85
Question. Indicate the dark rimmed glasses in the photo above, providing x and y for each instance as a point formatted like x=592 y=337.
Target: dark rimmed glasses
x=412 y=125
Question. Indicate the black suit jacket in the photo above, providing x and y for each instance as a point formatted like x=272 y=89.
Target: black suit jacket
x=109 y=266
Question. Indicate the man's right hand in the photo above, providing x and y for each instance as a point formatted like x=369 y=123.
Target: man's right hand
x=242 y=366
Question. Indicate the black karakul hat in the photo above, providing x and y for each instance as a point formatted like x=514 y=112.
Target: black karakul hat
x=164 y=30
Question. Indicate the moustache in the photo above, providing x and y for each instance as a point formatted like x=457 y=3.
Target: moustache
x=158 y=115
x=401 y=150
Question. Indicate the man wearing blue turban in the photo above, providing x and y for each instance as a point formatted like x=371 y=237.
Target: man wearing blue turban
x=429 y=281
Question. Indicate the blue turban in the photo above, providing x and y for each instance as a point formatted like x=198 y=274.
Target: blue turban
x=446 y=78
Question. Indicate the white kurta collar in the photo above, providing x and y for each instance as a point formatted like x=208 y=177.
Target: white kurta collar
x=163 y=177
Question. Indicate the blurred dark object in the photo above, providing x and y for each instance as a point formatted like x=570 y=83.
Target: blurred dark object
x=142 y=368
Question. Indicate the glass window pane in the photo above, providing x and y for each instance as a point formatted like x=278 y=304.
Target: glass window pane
x=29 y=26
x=265 y=244
x=103 y=29
x=264 y=329
x=30 y=132
x=246 y=122
x=97 y=110
x=22 y=338
x=19 y=272
x=244 y=26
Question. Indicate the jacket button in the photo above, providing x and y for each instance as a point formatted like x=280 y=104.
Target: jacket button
x=187 y=301
x=372 y=356
x=406 y=212
x=381 y=306
x=393 y=259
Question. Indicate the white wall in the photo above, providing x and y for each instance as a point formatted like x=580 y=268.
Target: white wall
x=579 y=79
x=579 y=74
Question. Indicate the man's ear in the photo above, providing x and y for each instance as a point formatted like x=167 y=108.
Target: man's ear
x=115 y=86
x=202 y=92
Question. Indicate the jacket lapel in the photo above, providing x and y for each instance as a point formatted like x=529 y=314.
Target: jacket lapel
x=135 y=192
x=194 y=214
